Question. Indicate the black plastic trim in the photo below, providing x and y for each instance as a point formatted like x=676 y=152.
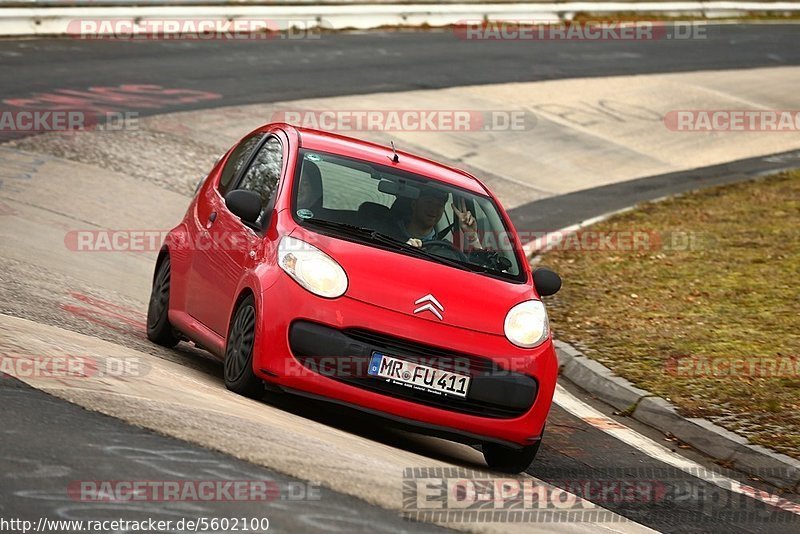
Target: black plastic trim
x=450 y=434
x=344 y=355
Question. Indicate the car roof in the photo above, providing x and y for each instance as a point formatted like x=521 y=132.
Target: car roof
x=375 y=153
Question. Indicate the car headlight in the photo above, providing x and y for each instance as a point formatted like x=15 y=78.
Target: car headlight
x=526 y=324
x=312 y=268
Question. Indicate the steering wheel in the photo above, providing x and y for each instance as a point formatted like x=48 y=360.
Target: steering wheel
x=492 y=259
x=449 y=251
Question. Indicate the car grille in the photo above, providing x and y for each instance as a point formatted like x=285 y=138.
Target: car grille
x=408 y=350
x=344 y=355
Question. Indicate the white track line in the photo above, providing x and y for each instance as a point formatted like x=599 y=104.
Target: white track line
x=549 y=240
x=598 y=420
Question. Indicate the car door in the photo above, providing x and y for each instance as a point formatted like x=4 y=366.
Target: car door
x=226 y=247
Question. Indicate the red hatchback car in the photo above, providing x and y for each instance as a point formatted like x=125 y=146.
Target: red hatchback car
x=343 y=270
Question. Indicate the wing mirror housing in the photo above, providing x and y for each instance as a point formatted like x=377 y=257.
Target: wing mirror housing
x=246 y=205
x=546 y=281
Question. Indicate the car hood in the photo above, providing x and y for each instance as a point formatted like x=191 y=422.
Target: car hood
x=423 y=289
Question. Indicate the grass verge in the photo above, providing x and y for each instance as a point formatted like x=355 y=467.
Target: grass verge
x=704 y=311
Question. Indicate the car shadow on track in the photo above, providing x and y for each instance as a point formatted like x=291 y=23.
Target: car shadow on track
x=351 y=420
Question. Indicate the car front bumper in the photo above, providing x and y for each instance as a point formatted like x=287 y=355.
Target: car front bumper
x=320 y=348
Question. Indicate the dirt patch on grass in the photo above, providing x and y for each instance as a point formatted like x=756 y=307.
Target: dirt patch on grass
x=697 y=301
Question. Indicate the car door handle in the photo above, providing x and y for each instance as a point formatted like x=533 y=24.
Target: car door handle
x=211 y=218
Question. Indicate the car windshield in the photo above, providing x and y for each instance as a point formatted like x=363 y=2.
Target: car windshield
x=384 y=207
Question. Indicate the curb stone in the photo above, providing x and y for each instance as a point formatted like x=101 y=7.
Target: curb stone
x=599 y=380
x=708 y=438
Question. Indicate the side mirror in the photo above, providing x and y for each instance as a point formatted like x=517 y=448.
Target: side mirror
x=244 y=204
x=546 y=282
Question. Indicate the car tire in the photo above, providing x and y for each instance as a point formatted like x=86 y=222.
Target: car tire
x=159 y=329
x=239 y=375
x=508 y=460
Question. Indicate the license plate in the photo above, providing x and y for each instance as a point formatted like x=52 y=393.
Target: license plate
x=418 y=376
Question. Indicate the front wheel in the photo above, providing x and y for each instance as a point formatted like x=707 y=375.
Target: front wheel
x=508 y=460
x=239 y=375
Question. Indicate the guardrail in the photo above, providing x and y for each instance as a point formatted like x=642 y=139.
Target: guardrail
x=61 y=19
x=96 y=3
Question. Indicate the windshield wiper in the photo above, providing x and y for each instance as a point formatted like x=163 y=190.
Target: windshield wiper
x=383 y=239
x=421 y=252
x=358 y=230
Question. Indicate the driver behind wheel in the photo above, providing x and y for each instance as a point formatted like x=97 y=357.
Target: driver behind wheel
x=426 y=211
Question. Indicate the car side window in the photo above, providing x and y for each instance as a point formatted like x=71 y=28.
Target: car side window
x=264 y=172
x=238 y=158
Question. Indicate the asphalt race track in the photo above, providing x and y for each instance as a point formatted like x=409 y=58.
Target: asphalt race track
x=249 y=72
x=35 y=477
x=46 y=442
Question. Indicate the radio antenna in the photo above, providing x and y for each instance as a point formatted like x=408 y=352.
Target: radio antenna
x=395 y=158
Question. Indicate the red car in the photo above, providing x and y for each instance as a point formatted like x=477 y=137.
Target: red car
x=347 y=271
